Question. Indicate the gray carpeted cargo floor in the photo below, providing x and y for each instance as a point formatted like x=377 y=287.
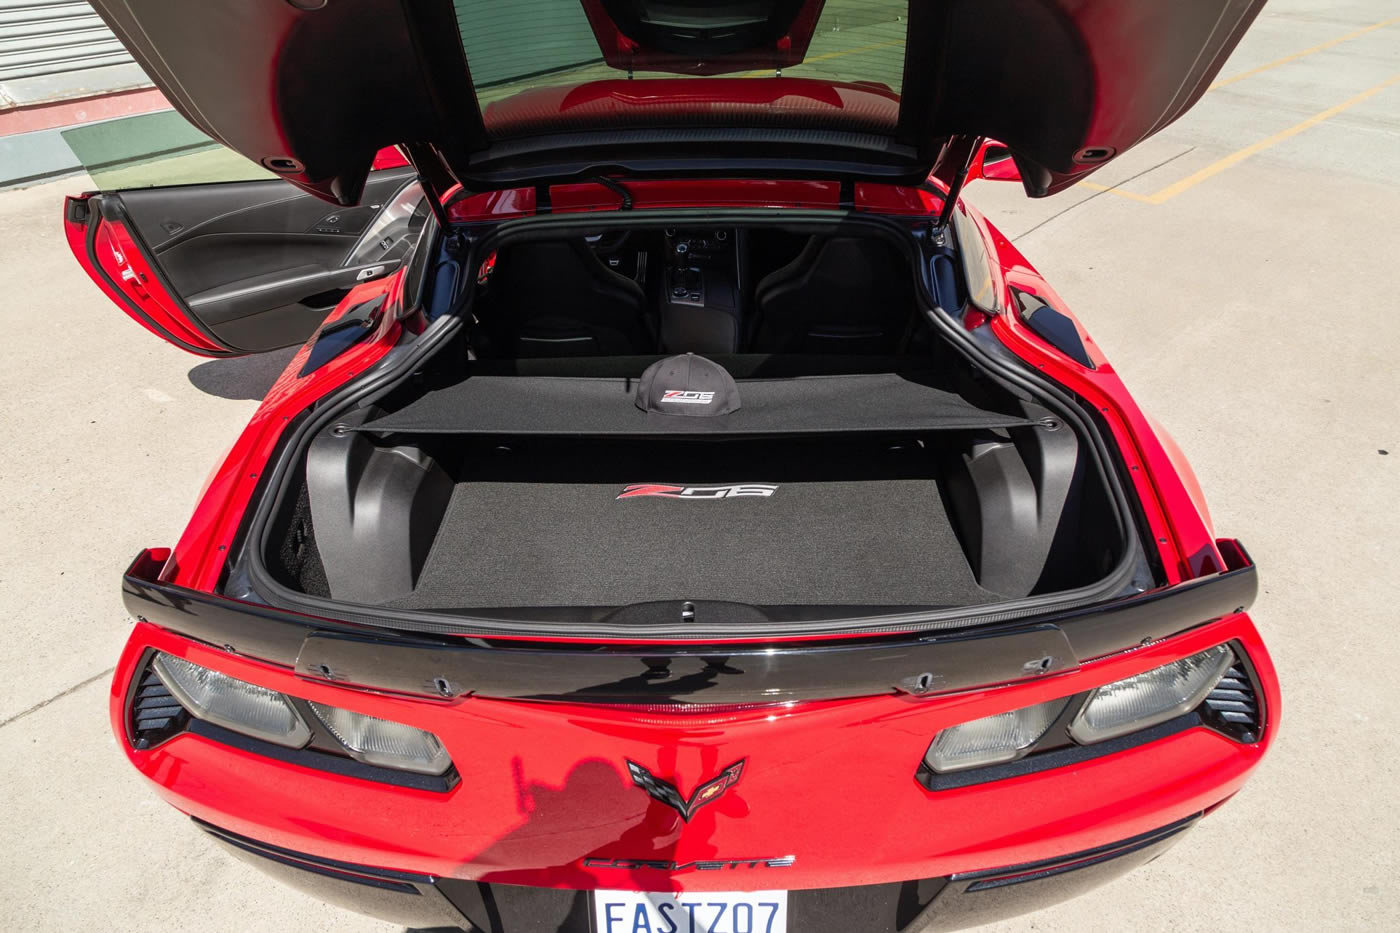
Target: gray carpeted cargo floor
x=517 y=534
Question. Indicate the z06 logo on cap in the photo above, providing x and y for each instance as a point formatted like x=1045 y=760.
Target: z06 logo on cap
x=687 y=397
x=733 y=491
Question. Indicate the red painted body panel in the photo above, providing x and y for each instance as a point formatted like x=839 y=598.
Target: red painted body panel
x=1184 y=539
x=389 y=157
x=199 y=555
x=510 y=203
x=120 y=257
x=544 y=785
x=623 y=104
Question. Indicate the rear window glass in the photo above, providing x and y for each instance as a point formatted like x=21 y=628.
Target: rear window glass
x=519 y=52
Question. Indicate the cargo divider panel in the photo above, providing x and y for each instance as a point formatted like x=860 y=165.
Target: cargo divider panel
x=867 y=403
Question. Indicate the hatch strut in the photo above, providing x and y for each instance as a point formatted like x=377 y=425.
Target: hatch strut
x=434 y=178
x=955 y=189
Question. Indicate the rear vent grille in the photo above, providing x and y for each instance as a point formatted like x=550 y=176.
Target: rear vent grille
x=1233 y=706
x=155 y=714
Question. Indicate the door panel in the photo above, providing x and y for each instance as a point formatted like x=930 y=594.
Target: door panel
x=242 y=267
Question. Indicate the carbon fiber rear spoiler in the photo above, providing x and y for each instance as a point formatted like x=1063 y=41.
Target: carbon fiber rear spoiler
x=686 y=674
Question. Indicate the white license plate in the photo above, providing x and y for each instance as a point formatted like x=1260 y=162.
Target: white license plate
x=706 y=912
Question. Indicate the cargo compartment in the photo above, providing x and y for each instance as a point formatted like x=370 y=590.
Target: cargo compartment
x=596 y=523
x=882 y=490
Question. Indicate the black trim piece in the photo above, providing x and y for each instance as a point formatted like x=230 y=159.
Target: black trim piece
x=167 y=720
x=353 y=877
x=358 y=655
x=343 y=333
x=1052 y=326
x=918 y=87
x=315 y=862
x=446 y=80
x=324 y=761
x=1244 y=664
x=725 y=152
x=604 y=407
x=1112 y=627
x=1031 y=871
x=719 y=675
x=406 y=899
x=76 y=210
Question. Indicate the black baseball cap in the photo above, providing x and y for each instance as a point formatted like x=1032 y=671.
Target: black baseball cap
x=687 y=385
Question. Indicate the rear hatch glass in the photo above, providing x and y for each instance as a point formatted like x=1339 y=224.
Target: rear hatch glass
x=547 y=65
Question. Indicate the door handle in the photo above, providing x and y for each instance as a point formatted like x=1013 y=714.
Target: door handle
x=373 y=272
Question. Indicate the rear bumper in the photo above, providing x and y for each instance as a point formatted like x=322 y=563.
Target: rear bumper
x=918 y=906
x=543 y=798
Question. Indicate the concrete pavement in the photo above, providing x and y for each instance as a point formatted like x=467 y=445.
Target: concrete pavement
x=1248 y=300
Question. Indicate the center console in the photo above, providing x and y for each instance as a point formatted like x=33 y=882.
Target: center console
x=700 y=303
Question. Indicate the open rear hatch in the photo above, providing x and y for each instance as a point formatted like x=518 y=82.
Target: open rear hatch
x=496 y=94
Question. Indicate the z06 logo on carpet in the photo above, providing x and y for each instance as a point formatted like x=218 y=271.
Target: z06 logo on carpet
x=732 y=491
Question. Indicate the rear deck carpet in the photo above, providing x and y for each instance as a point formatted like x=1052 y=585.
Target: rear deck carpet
x=882 y=541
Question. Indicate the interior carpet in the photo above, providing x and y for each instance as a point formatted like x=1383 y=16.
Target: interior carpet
x=787 y=530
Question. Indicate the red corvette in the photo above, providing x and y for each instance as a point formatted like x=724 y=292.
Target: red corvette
x=685 y=512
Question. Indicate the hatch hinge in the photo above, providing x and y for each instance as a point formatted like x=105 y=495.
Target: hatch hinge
x=618 y=188
x=456 y=244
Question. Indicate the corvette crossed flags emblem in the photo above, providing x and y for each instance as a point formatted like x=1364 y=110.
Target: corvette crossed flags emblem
x=707 y=792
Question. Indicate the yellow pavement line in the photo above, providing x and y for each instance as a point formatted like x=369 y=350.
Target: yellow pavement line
x=1131 y=195
x=1234 y=158
x=1217 y=167
x=1306 y=52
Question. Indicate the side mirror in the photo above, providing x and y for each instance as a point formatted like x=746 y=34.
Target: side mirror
x=994 y=163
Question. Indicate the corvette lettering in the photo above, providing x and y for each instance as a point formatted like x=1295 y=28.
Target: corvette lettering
x=632 y=864
x=687 y=397
x=732 y=491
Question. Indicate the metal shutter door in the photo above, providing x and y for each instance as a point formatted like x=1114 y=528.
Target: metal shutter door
x=53 y=37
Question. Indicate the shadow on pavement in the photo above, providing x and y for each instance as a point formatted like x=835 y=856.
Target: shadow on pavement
x=247 y=377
